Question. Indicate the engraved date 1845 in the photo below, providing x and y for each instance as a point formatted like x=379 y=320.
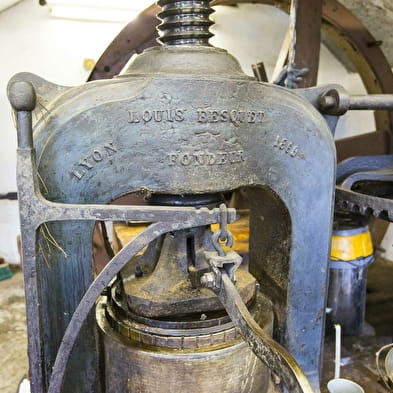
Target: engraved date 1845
x=286 y=146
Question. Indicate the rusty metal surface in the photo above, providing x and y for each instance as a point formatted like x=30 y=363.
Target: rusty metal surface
x=161 y=112
x=143 y=299
x=80 y=191
x=193 y=337
x=168 y=282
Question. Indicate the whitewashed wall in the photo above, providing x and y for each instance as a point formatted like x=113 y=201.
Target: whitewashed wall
x=55 y=49
x=30 y=40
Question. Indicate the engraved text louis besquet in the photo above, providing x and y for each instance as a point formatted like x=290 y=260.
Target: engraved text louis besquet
x=204 y=116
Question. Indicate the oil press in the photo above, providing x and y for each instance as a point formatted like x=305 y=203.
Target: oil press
x=184 y=127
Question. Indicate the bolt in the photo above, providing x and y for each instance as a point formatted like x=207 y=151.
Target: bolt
x=328 y=102
x=138 y=271
x=208 y=280
x=374 y=43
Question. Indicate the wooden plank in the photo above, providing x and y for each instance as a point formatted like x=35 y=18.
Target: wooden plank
x=363 y=145
x=123 y=233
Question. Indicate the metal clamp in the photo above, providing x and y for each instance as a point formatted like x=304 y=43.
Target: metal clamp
x=228 y=263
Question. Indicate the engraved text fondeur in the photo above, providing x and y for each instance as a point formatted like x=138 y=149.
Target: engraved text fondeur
x=205 y=158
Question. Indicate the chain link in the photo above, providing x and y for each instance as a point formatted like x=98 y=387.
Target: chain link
x=222 y=234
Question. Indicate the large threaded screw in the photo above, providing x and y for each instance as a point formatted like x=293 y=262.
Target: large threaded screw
x=185 y=22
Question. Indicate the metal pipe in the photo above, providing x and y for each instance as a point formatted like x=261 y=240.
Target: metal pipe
x=371 y=101
x=337 y=101
x=11 y=196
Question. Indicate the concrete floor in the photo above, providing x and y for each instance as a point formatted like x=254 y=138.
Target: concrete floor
x=379 y=309
x=359 y=351
x=13 y=357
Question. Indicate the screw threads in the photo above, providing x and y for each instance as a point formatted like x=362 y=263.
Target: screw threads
x=185 y=22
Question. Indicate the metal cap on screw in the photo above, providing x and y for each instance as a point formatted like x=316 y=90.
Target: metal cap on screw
x=23 y=99
x=22 y=96
x=185 y=22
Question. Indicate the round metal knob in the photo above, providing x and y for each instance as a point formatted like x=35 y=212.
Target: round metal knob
x=22 y=96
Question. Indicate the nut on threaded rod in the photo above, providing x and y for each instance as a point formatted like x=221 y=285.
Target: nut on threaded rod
x=185 y=22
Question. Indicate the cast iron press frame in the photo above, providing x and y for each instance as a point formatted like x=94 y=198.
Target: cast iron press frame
x=36 y=211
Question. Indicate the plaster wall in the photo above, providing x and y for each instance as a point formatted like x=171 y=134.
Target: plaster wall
x=54 y=49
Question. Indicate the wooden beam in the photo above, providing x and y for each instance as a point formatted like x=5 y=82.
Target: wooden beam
x=363 y=145
x=305 y=27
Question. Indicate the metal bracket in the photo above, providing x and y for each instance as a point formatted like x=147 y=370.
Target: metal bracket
x=229 y=263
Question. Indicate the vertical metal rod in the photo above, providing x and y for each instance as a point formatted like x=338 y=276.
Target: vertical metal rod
x=24 y=127
x=337 y=357
x=22 y=97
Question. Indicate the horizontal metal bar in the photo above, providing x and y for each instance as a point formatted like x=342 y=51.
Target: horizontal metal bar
x=11 y=196
x=40 y=210
x=64 y=212
x=337 y=101
x=371 y=101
